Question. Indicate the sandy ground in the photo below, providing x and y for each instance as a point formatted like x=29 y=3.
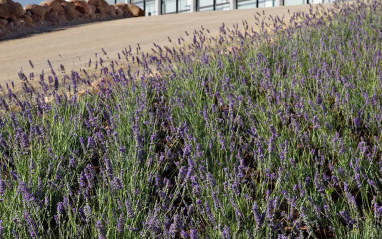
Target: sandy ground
x=74 y=46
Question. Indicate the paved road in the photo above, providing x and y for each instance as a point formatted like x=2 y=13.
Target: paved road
x=74 y=46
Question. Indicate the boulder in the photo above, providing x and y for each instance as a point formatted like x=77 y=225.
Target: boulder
x=3 y=21
x=112 y=11
x=102 y=11
x=4 y=11
x=28 y=19
x=47 y=9
x=120 y=12
x=35 y=10
x=73 y=15
x=11 y=26
x=68 y=6
x=81 y=6
x=96 y=3
x=16 y=9
x=55 y=5
x=52 y=17
x=136 y=11
x=63 y=17
x=16 y=22
x=124 y=7
x=92 y=10
x=105 y=5
x=70 y=11
x=102 y=7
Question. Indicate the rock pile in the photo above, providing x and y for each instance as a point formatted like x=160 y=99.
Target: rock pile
x=14 y=17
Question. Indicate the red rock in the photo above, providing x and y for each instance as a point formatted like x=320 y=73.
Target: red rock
x=28 y=19
x=96 y=3
x=67 y=6
x=70 y=11
x=81 y=6
x=3 y=21
x=10 y=26
x=122 y=6
x=35 y=9
x=4 y=9
x=92 y=10
x=125 y=8
x=136 y=11
x=52 y=17
x=112 y=11
x=16 y=22
x=119 y=12
x=54 y=4
x=73 y=15
x=102 y=7
x=63 y=17
x=16 y=9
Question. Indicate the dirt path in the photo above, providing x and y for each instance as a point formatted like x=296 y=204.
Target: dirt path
x=74 y=46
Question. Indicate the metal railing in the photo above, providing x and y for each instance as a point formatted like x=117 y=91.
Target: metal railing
x=181 y=6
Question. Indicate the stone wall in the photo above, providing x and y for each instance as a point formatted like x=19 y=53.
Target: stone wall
x=14 y=17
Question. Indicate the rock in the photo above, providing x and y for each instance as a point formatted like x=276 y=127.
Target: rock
x=36 y=10
x=136 y=11
x=102 y=7
x=55 y=5
x=47 y=8
x=16 y=9
x=96 y=3
x=125 y=8
x=70 y=11
x=3 y=30
x=4 y=9
x=68 y=6
x=70 y=16
x=52 y=17
x=28 y=19
x=122 y=6
x=3 y=21
x=112 y=11
x=105 y=5
x=10 y=25
x=102 y=11
x=63 y=17
x=120 y=12
x=16 y=22
x=81 y=6
x=92 y=10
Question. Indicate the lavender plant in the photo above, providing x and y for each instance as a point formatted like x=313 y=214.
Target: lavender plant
x=248 y=134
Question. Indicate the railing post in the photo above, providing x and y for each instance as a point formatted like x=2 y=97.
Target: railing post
x=192 y=5
x=158 y=7
x=232 y=4
x=278 y=3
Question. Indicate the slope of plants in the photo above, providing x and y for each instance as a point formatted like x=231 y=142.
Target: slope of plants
x=270 y=134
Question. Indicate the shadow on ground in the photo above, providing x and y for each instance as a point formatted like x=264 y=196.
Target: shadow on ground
x=24 y=33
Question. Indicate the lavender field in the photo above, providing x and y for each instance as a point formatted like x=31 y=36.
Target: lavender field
x=270 y=134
